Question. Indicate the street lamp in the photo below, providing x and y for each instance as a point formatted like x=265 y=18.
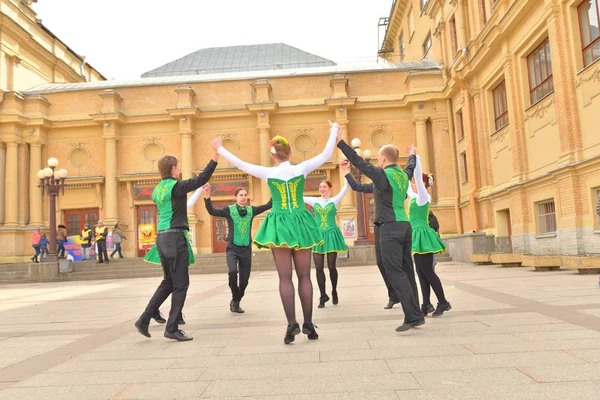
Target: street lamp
x=361 y=239
x=53 y=180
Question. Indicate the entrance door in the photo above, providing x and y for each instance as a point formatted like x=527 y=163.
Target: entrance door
x=146 y=229
x=75 y=219
x=369 y=203
x=504 y=231
x=220 y=229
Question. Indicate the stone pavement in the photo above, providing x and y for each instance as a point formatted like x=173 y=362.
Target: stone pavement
x=512 y=334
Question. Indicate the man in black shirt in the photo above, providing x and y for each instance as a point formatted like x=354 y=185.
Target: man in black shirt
x=394 y=246
x=239 y=241
x=170 y=196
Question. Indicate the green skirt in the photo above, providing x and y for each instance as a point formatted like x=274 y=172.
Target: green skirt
x=426 y=241
x=152 y=256
x=297 y=230
x=334 y=241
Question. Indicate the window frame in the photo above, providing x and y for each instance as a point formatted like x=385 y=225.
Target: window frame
x=502 y=96
x=549 y=78
x=593 y=43
x=402 y=45
x=465 y=175
x=453 y=36
x=545 y=214
x=461 y=121
x=427 y=39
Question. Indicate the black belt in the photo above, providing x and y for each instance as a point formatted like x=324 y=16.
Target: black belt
x=170 y=231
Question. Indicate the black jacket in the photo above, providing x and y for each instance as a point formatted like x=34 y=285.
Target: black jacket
x=225 y=213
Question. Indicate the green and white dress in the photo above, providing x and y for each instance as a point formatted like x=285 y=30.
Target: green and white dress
x=424 y=238
x=152 y=256
x=289 y=224
x=325 y=216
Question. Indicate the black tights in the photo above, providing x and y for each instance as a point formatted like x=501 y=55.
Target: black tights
x=428 y=278
x=320 y=267
x=283 y=260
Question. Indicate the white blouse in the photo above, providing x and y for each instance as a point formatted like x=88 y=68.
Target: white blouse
x=311 y=201
x=423 y=197
x=194 y=197
x=284 y=171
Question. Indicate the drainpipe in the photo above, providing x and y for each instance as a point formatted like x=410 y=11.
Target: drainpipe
x=450 y=129
x=85 y=78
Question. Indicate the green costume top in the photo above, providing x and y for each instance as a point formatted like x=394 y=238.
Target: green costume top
x=399 y=182
x=325 y=216
x=242 y=225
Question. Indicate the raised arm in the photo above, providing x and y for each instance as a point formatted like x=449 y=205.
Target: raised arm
x=422 y=196
x=255 y=170
x=310 y=165
x=359 y=187
x=215 y=212
x=376 y=174
x=338 y=198
x=182 y=188
x=261 y=209
x=310 y=200
x=410 y=192
x=194 y=198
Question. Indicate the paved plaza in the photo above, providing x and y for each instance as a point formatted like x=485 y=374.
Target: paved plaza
x=512 y=334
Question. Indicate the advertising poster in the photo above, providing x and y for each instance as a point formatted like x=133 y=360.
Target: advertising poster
x=146 y=237
x=73 y=247
x=348 y=227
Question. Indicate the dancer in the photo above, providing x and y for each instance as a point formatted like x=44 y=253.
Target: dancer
x=153 y=257
x=239 y=241
x=170 y=197
x=395 y=236
x=289 y=229
x=369 y=188
x=325 y=211
x=425 y=242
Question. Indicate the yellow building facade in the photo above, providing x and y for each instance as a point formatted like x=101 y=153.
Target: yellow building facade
x=522 y=79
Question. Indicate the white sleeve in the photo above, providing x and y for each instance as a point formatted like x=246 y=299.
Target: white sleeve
x=255 y=170
x=338 y=198
x=410 y=192
x=311 y=201
x=309 y=166
x=194 y=198
x=422 y=196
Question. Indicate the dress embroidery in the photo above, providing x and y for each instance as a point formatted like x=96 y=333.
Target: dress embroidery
x=283 y=192
x=293 y=190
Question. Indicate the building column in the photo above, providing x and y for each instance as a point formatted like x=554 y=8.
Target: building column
x=2 y=178
x=264 y=132
x=110 y=185
x=35 y=198
x=471 y=157
x=462 y=29
x=23 y=183
x=186 y=155
x=423 y=143
x=11 y=194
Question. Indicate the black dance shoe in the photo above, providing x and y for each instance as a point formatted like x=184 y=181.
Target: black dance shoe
x=439 y=310
x=390 y=304
x=291 y=332
x=179 y=335
x=426 y=309
x=181 y=320
x=234 y=307
x=159 y=318
x=142 y=327
x=335 y=299
x=407 y=325
x=309 y=330
x=322 y=301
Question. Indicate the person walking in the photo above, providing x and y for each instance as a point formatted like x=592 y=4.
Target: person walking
x=61 y=239
x=35 y=243
x=117 y=238
x=43 y=247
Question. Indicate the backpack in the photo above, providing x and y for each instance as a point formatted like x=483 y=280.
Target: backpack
x=116 y=238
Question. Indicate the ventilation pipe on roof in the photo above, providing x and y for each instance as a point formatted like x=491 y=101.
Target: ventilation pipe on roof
x=85 y=78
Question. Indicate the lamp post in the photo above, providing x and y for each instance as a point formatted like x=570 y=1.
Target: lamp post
x=361 y=239
x=52 y=181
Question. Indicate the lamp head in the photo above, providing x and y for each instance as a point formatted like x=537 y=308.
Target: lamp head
x=355 y=143
x=52 y=162
x=367 y=154
x=41 y=174
x=48 y=172
x=62 y=173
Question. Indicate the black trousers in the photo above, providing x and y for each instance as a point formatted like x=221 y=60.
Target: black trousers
x=395 y=242
x=175 y=260
x=429 y=279
x=379 y=257
x=101 y=244
x=239 y=258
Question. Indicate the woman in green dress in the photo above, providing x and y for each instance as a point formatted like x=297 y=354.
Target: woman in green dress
x=425 y=242
x=152 y=256
x=325 y=208
x=289 y=230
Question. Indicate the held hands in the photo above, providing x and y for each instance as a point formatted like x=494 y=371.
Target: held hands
x=340 y=130
x=206 y=190
x=345 y=166
x=218 y=142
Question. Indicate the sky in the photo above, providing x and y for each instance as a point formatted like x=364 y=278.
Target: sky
x=125 y=38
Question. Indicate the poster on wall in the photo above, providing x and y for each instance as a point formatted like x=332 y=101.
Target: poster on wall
x=349 y=227
x=73 y=247
x=146 y=237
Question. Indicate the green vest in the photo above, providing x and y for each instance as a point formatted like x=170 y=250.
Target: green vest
x=325 y=216
x=241 y=225
x=399 y=182
x=162 y=197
